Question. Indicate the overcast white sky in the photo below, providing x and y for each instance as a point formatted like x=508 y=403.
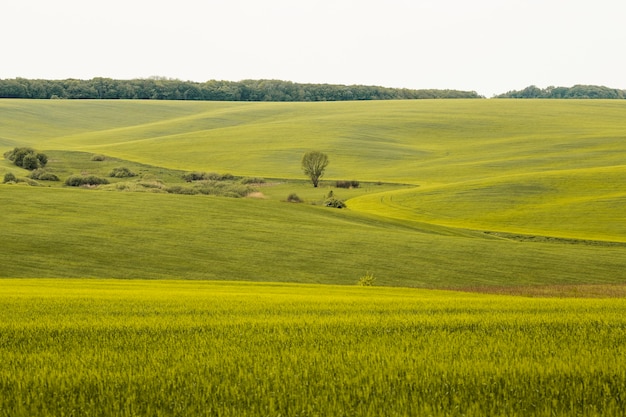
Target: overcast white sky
x=489 y=46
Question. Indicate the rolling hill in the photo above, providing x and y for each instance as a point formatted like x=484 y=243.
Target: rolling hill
x=489 y=192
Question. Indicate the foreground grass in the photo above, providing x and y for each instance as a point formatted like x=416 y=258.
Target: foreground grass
x=172 y=348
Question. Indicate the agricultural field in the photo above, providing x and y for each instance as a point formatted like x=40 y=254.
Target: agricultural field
x=453 y=193
x=501 y=220
x=181 y=348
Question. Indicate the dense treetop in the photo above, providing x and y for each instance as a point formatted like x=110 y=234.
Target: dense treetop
x=577 y=91
x=158 y=88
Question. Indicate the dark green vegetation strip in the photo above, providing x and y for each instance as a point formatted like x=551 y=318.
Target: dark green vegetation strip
x=213 y=90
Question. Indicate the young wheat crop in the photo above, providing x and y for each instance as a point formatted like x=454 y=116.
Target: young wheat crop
x=167 y=348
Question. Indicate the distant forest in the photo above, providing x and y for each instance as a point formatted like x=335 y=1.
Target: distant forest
x=577 y=91
x=159 y=88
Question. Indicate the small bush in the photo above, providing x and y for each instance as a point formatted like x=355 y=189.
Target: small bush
x=9 y=177
x=347 y=184
x=88 y=180
x=367 y=280
x=121 y=172
x=98 y=158
x=293 y=198
x=334 y=202
x=43 y=175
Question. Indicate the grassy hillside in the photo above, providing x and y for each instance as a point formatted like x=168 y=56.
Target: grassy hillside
x=422 y=142
x=54 y=232
x=509 y=168
x=575 y=204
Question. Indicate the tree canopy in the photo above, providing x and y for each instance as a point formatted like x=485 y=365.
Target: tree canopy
x=159 y=88
x=313 y=164
x=575 y=92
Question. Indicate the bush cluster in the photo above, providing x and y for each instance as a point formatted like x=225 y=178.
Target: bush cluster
x=207 y=176
x=121 y=172
x=85 y=180
x=27 y=158
x=347 y=184
x=42 y=174
x=213 y=188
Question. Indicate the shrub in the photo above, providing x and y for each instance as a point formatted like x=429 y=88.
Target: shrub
x=43 y=159
x=121 y=172
x=30 y=162
x=347 y=184
x=367 y=280
x=334 y=202
x=88 y=180
x=43 y=175
x=293 y=198
x=9 y=177
x=98 y=158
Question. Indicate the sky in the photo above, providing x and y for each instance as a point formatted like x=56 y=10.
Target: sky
x=487 y=46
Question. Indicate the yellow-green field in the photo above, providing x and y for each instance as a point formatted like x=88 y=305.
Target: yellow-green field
x=520 y=199
x=189 y=348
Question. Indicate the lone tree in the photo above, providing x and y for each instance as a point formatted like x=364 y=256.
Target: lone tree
x=313 y=164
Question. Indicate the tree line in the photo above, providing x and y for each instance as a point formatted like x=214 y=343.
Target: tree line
x=576 y=92
x=159 y=88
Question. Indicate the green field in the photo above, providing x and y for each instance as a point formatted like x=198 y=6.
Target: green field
x=189 y=348
x=455 y=193
x=128 y=299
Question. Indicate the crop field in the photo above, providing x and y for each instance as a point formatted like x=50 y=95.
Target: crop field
x=502 y=221
x=164 y=348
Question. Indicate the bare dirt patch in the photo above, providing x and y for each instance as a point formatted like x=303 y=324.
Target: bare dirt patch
x=257 y=194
